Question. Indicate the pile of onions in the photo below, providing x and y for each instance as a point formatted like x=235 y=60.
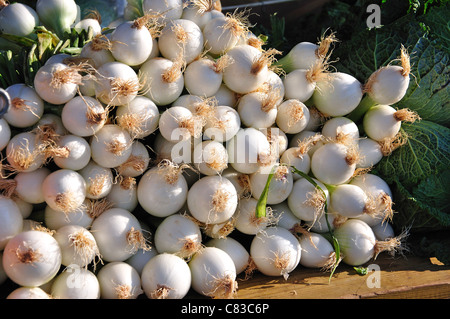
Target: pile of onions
x=174 y=137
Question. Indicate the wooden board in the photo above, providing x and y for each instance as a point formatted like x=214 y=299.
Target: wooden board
x=410 y=277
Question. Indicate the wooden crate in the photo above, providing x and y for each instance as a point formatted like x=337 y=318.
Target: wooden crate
x=410 y=277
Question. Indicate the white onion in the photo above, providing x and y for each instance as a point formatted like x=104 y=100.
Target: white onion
x=167 y=9
x=64 y=190
x=118 y=234
x=162 y=190
x=76 y=152
x=5 y=133
x=213 y=273
x=210 y=157
x=292 y=116
x=78 y=245
x=178 y=234
x=24 y=152
x=111 y=146
x=275 y=251
x=166 y=276
x=181 y=37
x=140 y=117
x=83 y=116
x=26 y=106
x=32 y=258
x=98 y=180
x=116 y=84
x=124 y=194
x=246 y=220
x=280 y=186
x=29 y=185
x=317 y=251
x=235 y=249
x=119 y=280
x=223 y=124
x=75 y=283
x=11 y=220
x=212 y=199
x=138 y=161
x=82 y=216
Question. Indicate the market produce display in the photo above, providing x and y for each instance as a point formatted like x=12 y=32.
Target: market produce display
x=133 y=154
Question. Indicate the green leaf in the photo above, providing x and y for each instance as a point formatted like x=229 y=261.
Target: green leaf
x=426 y=153
x=362 y=271
x=262 y=201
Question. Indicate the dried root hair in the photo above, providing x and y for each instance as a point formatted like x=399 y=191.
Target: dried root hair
x=173 y=73
x=96 y=184
x=7 y=187
x=392 y=245
x=85 y=247
x=205 y=109
x=27 y=255
x=250 y=269
x=66 y=203
x=318 y=72
x=170 y=170
x=70 y=74
x=189 y=247
x=295 y=112
x=100 y=42
x=353 y=156
x=204 y=6
x=325 y=42
x=96 y=207
x=265 y=59
x=270 y=100
x=317 y=200
x=137 y=240
x=161 y=292
x=23 y=105
x=224 y=288
x=137 y=163
x=388 y=145
x=406 y=115
x=219 y=200
x=221 y=63
x=22 y=157
x=281 y=262
x=238 y=22
x=306 y=144
x=219 y=230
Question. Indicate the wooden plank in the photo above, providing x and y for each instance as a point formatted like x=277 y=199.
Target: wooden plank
x=413 y=277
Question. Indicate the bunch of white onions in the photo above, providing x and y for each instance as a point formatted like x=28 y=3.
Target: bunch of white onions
x=177 y=134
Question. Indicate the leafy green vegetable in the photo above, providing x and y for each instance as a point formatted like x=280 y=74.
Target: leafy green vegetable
x=262 y=201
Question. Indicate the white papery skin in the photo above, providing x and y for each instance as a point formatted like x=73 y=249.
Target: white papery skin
x=32 y=258
x=84 y=24
x=293 y=157
x=338 y=95
x=111 y=146
x=169 y=9
x=111 y=231
x=299 y=197
x=131 y=43
x=5 y=133
x=138 y=161
x=76 y=283
x=18 y=19
x=357 y=242
x=280 y=186
x=200 y=78
x=379 y=122
x=119 y=280
x=98 y=179
x=181 y=37
x=235 y=249
x=144 y=112
x=24 y=152
x=28 y=293
x=239 y=75
x=83 y=116
x=79 y=152
x=179 y=235
x=389 y=85
x=303 y=55
x=78 y=245
x=124 y=195
x=330 y=164
x=55 y=219
x=275 y=251
x=255 y=112
x=158 y=88
x=316 y=251
x=245 y=217
x=210 y=157
x=26 y=106
x=292 y=116
x=64 y=190
x=349 y=200
x=217 y=37
x=161 y=193
x=339 y=127
x=297 y=86
x=116 y=84
x=55 y=93
x=247 y=149
x=166 y=276
x=212 y=199
x=370 y=151
x=223 y=125
x=213 y=273
x=29 y=185
x=11 y=220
